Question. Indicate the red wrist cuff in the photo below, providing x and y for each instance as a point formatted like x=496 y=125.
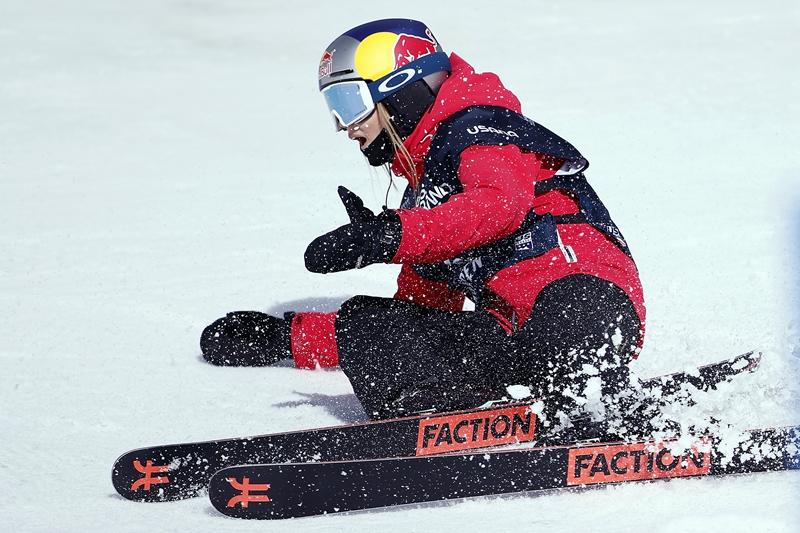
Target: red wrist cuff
x=313 y=340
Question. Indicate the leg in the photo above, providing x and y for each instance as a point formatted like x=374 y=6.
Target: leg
x=577 y=344
x=403 y=358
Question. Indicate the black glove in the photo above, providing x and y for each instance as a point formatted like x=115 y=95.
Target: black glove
x=247 y=338
x=368 y=239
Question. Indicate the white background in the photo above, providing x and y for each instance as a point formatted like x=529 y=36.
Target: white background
x=163 y=162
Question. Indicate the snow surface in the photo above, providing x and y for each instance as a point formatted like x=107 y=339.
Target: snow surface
x=163 y=162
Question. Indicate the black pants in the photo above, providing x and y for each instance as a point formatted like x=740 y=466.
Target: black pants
x=403 y=358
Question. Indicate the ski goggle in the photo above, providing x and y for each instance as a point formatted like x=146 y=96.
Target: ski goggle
x=354 y=100
x=348 y=102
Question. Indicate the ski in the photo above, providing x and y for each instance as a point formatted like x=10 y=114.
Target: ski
x=704 y=378
x=305 y=489
x=178 y=471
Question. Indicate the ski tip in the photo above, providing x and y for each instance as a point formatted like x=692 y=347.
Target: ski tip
x=144 y=475
x=266 y=492
x=138 y=479
x=234 y=492
x=752 y=360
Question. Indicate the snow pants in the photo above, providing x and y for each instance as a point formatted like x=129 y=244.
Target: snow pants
x=403 y=358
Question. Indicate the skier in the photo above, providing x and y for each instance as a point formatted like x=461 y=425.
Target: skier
x=497 y=209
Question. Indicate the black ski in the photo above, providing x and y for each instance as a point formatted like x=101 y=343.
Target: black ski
x=707 y=377
x=306 y=489
x=177 y=471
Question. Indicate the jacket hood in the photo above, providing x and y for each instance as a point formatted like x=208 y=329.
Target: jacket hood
x=463 y=88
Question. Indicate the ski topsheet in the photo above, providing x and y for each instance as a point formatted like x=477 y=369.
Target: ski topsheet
x=177 y=471
x=305 y=489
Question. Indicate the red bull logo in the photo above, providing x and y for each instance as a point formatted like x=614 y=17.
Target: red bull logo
x=325 y=64
x=383 y=52
x=410 y=48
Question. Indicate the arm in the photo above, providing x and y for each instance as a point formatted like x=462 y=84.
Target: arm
x=253 y=338
x=313 y=336
x=498 y=192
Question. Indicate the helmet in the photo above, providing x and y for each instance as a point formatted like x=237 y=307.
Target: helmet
x=395 y=61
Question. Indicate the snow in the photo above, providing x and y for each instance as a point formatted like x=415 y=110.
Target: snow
x=163 y=162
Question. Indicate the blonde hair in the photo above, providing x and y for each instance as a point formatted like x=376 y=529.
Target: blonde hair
x=405 y=157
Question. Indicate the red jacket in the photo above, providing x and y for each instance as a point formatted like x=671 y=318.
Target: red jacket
x=498 y=192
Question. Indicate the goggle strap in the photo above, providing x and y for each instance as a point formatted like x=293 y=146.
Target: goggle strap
x=415 y=70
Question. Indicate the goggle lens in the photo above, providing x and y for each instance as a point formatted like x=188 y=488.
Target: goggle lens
x=348 y=102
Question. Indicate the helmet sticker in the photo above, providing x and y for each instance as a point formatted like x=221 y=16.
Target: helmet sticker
x=409 y=48
x=325 y=64
x=383 y=52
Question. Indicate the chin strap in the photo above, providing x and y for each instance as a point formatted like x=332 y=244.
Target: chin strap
x=380 y=151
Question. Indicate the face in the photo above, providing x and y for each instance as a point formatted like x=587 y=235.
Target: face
x=365 y=131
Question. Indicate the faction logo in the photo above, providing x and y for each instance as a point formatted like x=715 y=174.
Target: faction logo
x=466 y=431
x=148 y=479
x=635 y=461
x=246 y=490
